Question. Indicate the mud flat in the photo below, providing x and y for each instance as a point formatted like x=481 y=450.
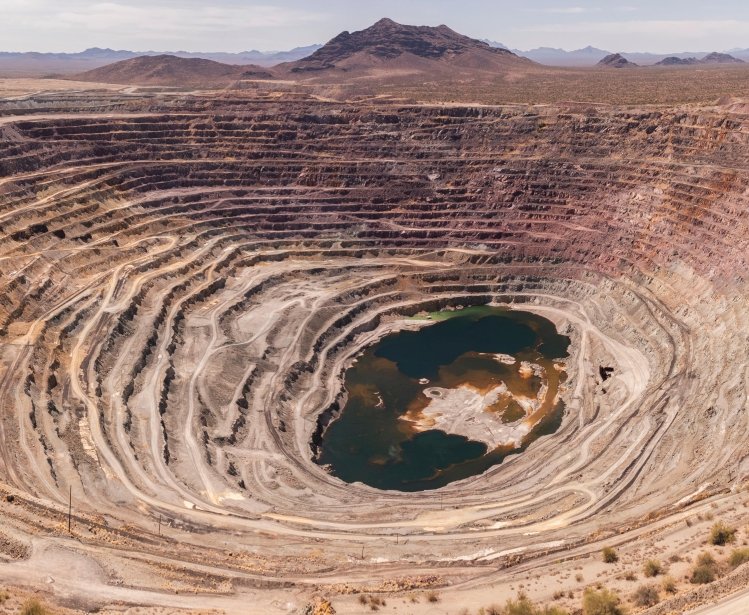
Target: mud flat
x=185 y=279
x=467 y=412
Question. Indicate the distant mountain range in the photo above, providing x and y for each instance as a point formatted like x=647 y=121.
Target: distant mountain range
x=38 y=64
x=385 y=50
x=590 y=56
x=43 y=64
x=587 y=56
x=113 y=55
x=711 y=58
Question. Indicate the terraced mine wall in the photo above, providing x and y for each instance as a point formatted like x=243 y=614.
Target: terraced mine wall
x=182 y=285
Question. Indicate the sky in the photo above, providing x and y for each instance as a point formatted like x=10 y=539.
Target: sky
x=239 y=25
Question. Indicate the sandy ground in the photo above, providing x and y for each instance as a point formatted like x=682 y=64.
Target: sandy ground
x=24 y=88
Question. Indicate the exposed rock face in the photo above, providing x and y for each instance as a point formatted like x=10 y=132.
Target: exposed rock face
x=616 y=60
x=168 y=70
x=387 y=40
x=183 y=281
x=711 y=58
x=674 y=61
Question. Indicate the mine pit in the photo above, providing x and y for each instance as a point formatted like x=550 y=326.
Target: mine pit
x=212 y=344
x=396 y=433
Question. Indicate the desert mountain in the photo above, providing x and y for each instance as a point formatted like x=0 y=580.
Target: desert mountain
x=413 y=49
x=676 y=61
x=33 y=64
x=710 y=58
x=720 y=58
x=550 y=56
x=271 y=58
x=616 y=60
x=168 y=70
x=589 y=56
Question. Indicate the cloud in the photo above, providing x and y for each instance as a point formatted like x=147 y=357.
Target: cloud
x=568 y=10
x=184 y=18
x=138 y=18
x=140 y=22
x=580 y=10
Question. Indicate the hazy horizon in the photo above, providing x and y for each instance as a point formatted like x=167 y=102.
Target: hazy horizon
x=232 y=26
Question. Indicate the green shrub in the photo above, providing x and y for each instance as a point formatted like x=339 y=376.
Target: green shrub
x=738 y=557
x=652 y=568
x=603 y=602
x=609 y=555
x=646 y=595
x=721 y=534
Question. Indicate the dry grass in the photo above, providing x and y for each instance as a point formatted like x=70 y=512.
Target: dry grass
x=646 y=595
x=652 y=568
x=738 y=557
x=522 y=606
x=705 y=570
x=669 y=585
x=432 y=596
x=721 y=534
x=601 y=602
x=33 y=607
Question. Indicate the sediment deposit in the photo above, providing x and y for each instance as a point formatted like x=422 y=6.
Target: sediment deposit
x=184 y=279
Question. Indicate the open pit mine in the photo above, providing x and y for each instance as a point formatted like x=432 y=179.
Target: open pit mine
x=188 y=279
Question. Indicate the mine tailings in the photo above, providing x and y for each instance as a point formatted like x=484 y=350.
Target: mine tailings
x=447 y=401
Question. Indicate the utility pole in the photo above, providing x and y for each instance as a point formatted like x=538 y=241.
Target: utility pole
x=159 y=524
x=70 y=508
x=362 y=552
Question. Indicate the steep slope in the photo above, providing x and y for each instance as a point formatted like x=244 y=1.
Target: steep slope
x=616 y=60
x=171 y=70
x=396 y=47
x=184 y=281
